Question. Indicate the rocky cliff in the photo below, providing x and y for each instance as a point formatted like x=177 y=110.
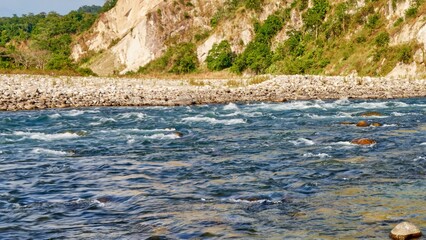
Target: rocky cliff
x=136 y=32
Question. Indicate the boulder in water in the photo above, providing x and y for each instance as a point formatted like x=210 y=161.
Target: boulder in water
x=362 y=124
x=405 y=230
x=363 y=141
x=371 y=114
x=179 y=134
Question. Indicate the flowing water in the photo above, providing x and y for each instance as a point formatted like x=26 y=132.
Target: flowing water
x=236 y=171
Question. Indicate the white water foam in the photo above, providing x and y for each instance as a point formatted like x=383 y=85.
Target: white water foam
x=74 y=113
x=399 y=114
x=338 y=115
x=319 y=155
x=47 y=137
x=102 y=120
x=46 y=151
x=163 y=136
x=231 y=107
x=214 y=120
x=137 y=130
x=302 y=141
x=55 y=116
x=390 y=125
x=343 y=143
x=423 y=144
x=137 y=115
x=419 y=159
x=296 y=105
x=238 y=200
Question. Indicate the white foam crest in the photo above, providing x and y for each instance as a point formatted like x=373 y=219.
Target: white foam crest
x=338 y=115
x=74 y=113
x=344 y=143
x=399 y=114
x=55 y=116
x=423 y=144
x=47 y=137
x=102 y=120
x=319 y=155
x=390 y=125
x=231 y=107
x=214 y=120
x=163 y=136
x=370 y=105
x=46 y=151
x=137 y=130
x=419 y=159
x=130 y=140
x=302 y=141
x=137 y=115
x=238 y=200
x=295 y=105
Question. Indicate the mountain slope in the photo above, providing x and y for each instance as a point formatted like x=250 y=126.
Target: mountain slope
x=374 y=37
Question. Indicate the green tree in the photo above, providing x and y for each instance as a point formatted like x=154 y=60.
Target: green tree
x=314 y=16
x=220 y=56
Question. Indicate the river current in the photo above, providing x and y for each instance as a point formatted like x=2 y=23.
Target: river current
x=236 y=171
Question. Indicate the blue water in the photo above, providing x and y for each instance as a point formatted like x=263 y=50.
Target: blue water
x=236 y=171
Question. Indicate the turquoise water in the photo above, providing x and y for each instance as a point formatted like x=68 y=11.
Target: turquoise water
x=236 y=171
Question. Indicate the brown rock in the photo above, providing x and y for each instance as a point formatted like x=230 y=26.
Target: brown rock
x=405 y=230
x=363 y=141
x=376 y=124
x=371 y=114
x=362 y=124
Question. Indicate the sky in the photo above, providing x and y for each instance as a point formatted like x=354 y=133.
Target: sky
x=19 y=7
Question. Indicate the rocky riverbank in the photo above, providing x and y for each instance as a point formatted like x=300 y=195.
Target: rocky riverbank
x=28 y=92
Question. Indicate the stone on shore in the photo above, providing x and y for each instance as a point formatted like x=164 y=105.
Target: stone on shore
x=363 y=141
x=405 y=230
x=362 y=124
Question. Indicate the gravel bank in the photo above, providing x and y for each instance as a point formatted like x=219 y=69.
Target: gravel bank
x=28 y=92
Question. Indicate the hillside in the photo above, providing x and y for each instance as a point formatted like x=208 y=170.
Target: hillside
x=375 y=38
x=327 y=37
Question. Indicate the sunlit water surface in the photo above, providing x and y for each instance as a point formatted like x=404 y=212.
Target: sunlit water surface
x=250 y=171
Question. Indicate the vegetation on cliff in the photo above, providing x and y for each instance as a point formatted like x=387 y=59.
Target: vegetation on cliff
x=303 y=37
x=43 y=41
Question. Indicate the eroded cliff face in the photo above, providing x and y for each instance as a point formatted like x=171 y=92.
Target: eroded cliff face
x=136 y=32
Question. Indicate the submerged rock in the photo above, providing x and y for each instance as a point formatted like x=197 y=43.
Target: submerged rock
x=363 y=141
x=179 y=134
x=371 y=114
x=376 y=124
x=405 y=230
x=362 y=124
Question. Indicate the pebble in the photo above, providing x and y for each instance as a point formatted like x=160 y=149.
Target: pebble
x=31 y=92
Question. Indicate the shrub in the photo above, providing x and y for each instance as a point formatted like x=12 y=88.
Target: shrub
x=411 y=12
x=86 y=72
x=405 y=53
x=220 y=56
x=253 y=4
x=373 y=21
x=177 y=59
x=382 y=40
x=398 y=22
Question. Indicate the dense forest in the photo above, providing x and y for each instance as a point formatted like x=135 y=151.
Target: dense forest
x=43 y=41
